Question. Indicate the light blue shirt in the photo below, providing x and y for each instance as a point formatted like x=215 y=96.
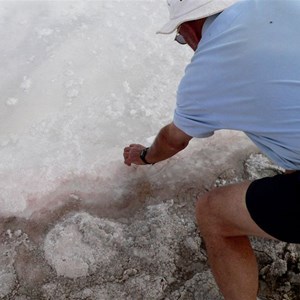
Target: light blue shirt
x=245 y=75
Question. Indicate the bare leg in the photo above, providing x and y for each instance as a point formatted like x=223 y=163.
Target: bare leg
x=225 y=224
x=234 y=267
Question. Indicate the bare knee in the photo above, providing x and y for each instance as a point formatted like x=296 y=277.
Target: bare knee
x=223 y=212
x=206 y=212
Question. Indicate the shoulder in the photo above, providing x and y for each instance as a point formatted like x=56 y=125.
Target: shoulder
x=218 y=24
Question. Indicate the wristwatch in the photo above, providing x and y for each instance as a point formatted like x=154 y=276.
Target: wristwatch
x=143 y=156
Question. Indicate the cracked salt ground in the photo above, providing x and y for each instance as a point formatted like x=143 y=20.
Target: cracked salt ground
x=80 y=80
x=136 y=271
x=121 y=258
x=156 y=253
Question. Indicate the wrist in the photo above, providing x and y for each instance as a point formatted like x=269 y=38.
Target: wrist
x=143 y=154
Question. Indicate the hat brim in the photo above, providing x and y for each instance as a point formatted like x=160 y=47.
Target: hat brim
x=197 y=14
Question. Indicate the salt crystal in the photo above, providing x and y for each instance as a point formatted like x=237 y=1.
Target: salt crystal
x=18 y=233
x=12 y=101
x=26 y=83
x=74 y=196
x=8 y=232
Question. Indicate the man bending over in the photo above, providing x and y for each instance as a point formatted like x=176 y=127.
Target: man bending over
x=244 y=75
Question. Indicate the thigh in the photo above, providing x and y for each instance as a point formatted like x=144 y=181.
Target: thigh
x=228 y=213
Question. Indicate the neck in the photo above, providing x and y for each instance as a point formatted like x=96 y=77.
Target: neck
x=192 y=32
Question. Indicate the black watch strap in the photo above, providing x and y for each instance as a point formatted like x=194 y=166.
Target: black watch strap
x=143 y=155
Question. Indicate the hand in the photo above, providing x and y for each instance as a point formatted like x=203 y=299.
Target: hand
x=132 y=154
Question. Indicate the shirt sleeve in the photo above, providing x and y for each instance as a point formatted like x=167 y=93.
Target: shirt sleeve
x=193 y=126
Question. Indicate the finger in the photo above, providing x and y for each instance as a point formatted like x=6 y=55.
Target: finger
x=128 y=163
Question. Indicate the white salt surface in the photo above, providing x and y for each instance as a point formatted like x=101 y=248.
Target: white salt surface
x=79 y=81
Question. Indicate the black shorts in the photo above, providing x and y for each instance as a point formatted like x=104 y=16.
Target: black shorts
x=274 y=205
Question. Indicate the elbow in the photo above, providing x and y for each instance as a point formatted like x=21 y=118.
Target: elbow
x=182 y=145
x=177 y=145
x=173 y=138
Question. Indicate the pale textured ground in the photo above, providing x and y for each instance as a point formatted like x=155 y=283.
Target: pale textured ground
x=147 y=248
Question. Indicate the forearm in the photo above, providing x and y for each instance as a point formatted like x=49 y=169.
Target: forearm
x=168 y=142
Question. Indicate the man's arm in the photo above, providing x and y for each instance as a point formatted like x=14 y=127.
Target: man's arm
x=168 y=142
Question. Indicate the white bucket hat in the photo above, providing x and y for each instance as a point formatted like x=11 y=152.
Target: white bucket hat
x=189 y=10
